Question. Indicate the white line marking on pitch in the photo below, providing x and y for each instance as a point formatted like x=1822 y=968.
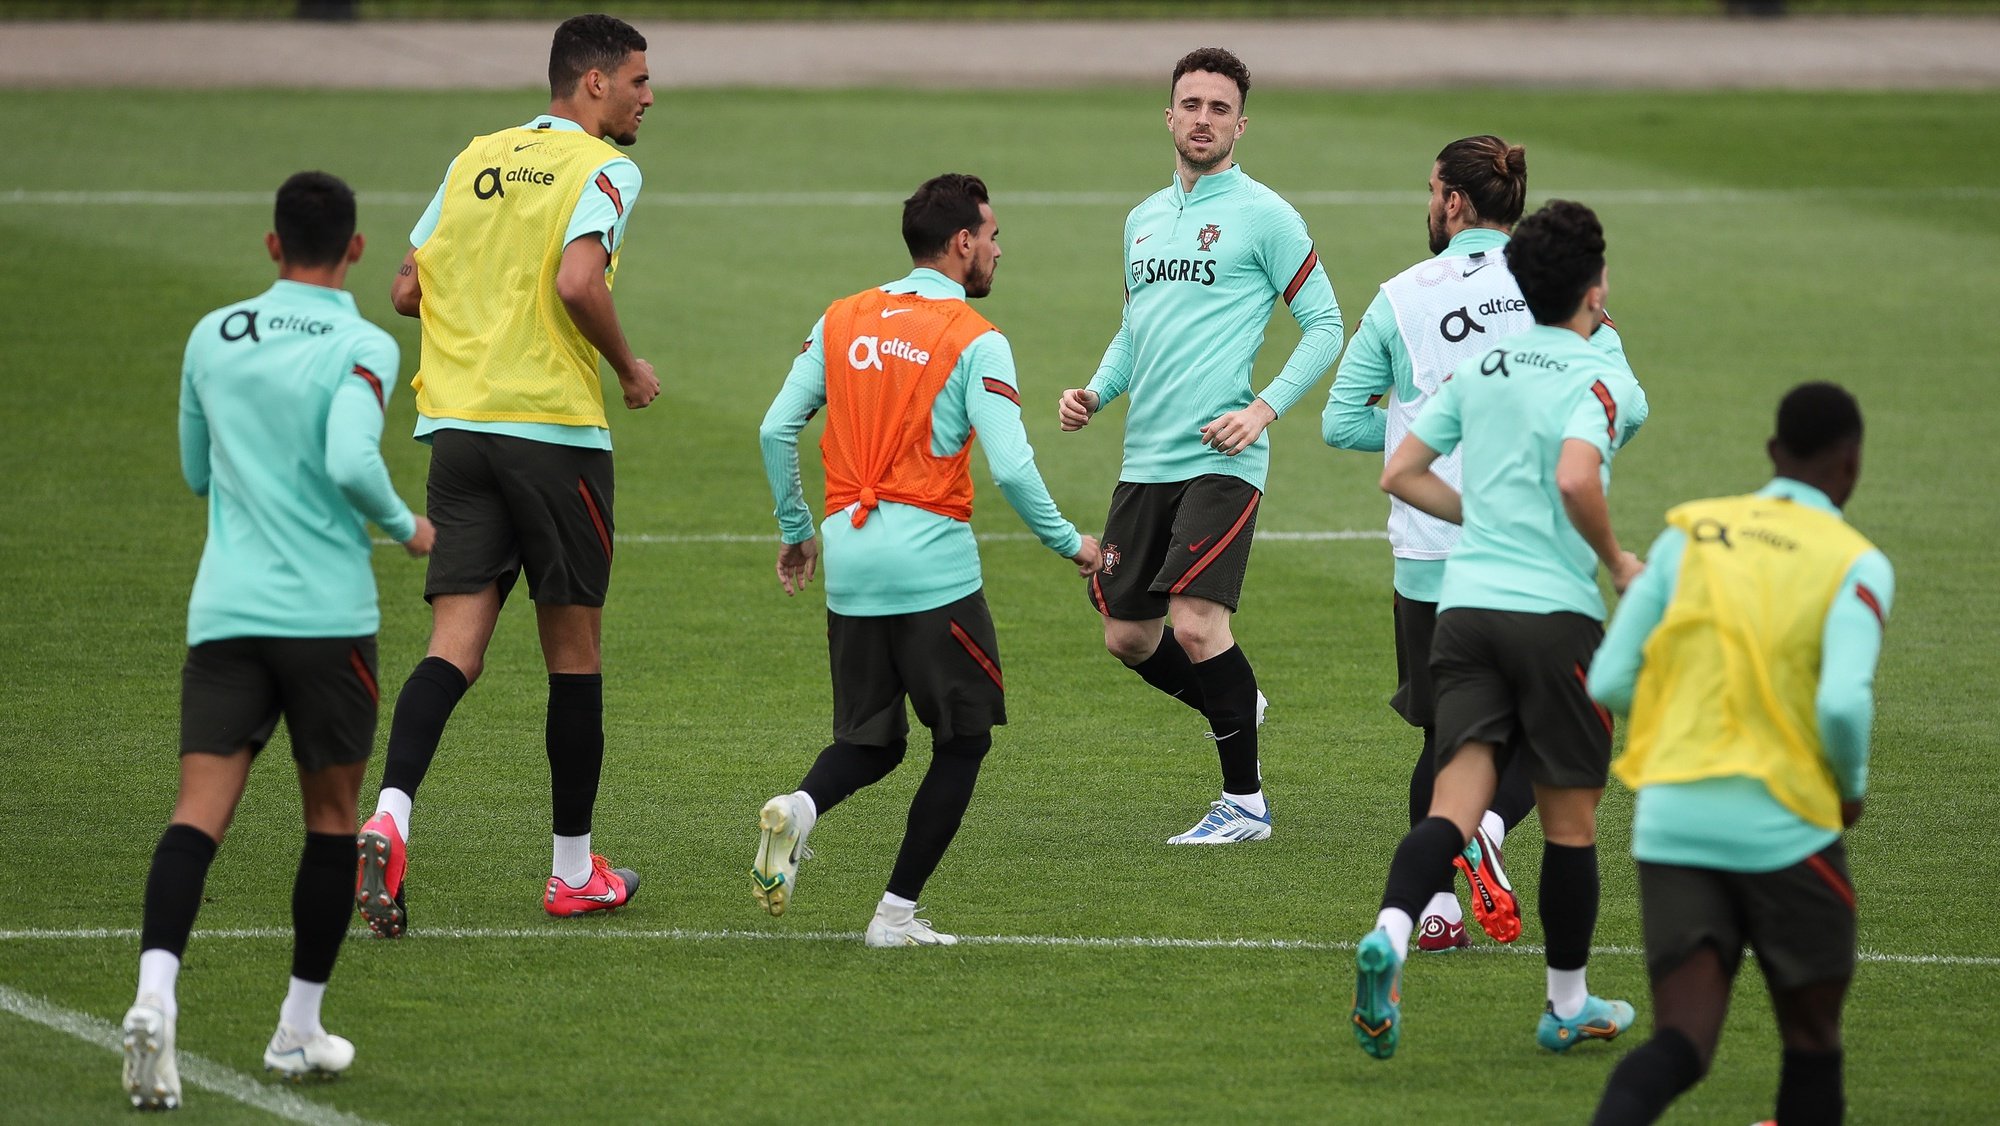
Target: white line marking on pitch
x=983 y=537
x=1695 y=197
x=196 y=1070
x=1083 y=942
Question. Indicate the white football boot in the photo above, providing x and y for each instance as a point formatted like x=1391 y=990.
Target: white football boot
x=296 y=1055
x=901 y=927
x=1226 y=823
x=150 y=1076
x=774 y=874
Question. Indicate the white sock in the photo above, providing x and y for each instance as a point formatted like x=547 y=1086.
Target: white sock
x=1398 y=923
x=1445 y=903
x=1252 y=802
x=809 y=808
x=300 y=1012
x=1495 y=828
x=895 y=906
x=158 y=970
x=396 y=804
x=572 y=863
x=1567 y=992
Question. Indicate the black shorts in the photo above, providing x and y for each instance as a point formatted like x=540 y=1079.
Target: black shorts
x=1800 y=920
x=1416 y=698
x=1517 y=681
x=503 y=505
x=1180 y=537
x=234 y=689
x=945 y=661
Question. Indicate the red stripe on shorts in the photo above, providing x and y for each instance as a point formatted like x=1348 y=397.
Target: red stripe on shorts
x=1220 y=545
x=978 y=654
x=596 y=517
x=1827 y=873
x=1097 y=596
x=1583 y=681
x=360 y=664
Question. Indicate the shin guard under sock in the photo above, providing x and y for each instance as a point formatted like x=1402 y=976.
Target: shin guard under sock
x=435 y=687
x=1170 y=671
x=173 y=886
x=1229 y=689
x=1810 y=1089
x=1414 y=873
x=1568 y=902
x=322 y=904
x=574 y=735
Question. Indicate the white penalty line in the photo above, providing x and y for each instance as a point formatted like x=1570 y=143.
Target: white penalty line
x=1693 y=197
x=982 y=537
x=1072 y=942
x=195 y=1070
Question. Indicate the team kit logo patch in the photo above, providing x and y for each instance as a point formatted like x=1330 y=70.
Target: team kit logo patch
x=1111 y=557
x=1206 y=237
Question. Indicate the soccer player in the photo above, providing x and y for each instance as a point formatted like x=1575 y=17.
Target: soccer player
x=1206 y=258
x=907 y=372
x=282 y=397
x=1423 y=323
x=1537 y=418
x=510 y=272
x=1746 y=657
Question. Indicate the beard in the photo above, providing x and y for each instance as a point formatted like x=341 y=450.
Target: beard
x=626 y=139
x=978 y=284
x=1434 y=226
x=1220 y=154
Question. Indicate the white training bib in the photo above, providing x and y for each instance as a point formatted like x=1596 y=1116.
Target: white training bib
x=1447 y=311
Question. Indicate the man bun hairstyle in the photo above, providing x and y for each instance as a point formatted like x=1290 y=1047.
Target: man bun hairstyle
x=942 y=207
x=586 y=43
x=1215 y=60
x=1555 y=255
x=1814 y=418
x=1491 y=174
x=314 y=218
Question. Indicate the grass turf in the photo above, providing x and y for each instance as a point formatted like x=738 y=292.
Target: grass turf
x=1797 y=236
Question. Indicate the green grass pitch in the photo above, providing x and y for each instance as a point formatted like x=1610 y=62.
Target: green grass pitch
x=1756 y=240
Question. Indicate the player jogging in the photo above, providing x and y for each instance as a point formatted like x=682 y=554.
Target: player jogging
x=907 y=373
x=1423 y=323
x=1537 y=419
x=1205 y=259
x=1746 y=655
x=282 y=398
x=510 y=273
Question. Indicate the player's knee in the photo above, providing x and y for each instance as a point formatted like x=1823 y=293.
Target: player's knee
x=973 y=747
x=890 y=753
x=1129 y=643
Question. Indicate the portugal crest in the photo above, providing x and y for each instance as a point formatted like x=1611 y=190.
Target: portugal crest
x=1111 y=557
x=1207 y=235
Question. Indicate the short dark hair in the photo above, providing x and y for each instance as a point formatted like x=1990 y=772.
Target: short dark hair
x=1816 y=417
x=586 y=43
x=1215 y=60
x=1490 y=173
x=942 y=207
x=1555 y=255
x=314 y=218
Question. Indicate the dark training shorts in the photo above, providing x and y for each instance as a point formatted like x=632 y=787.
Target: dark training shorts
x=1517 y=681
x=234 y=689
x=1180 y=537
x=1416 y=697
x=503 y=505
x=1800 y=920
x=945 y=661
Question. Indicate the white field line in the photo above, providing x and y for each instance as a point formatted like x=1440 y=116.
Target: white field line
x=983 y=537
x=1685 y=197
x=1075 y=942
x=195 y=1070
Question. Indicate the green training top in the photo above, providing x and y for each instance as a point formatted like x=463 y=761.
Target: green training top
x=1511 y=409
x=282 y=399
x=1203 y=268
x=906 y=559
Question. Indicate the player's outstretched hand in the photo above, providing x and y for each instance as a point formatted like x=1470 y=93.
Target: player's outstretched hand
x=1234 y=432
x=796 y=564
x=1628 y=568
x=1089 y=558
x=1075 y=407
x=640 y=385
x=420 y=541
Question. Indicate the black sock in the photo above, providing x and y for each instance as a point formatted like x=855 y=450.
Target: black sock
x=1568 y=901
x=173 y=887
x=435 y=687
x=936 y=811
x=1414 y=873
x=1810 y=1090
x=1170 y=671
x=1229 y=688
x=1514 y=797
x=1647 y=1079
x=575 y=738
x=843 y=768
x=322 y=904
x=1423 y=783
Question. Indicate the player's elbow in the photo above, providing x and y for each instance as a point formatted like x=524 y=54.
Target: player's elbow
x=1578 y=485
x=576 y=288
x=405 y=296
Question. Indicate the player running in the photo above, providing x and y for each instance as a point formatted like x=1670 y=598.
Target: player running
x=907 y=373
x=1538 y=418
x=1746 y=655
x=1426 y=321
x=510 y=272
x=1206 y=258
x=282 y=398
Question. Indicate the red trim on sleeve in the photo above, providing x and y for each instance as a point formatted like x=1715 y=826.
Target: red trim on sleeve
x=374 y=384
x=1603 y=394
x=1000 y=388
x=1299 y=279
x=605 y=185
x=1873 y=603
x=1375 y=400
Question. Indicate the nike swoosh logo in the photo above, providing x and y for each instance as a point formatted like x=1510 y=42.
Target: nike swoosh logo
x=607 y=897
x=1475 y=269
x=529 y=145
x=1196 y=546
x=1142 y=238
x=887 y=313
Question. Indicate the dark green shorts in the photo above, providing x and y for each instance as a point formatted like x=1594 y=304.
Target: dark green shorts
x=505 y=505
x=1181 y=537
x=1517 y=681
x=1800 y=919
x=1416 y=697
x=945 y=662
x=234 y=689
